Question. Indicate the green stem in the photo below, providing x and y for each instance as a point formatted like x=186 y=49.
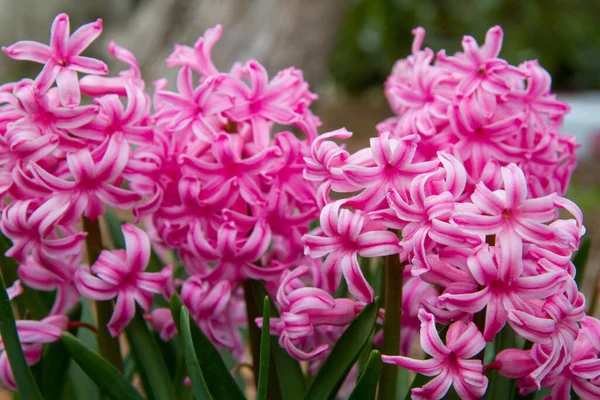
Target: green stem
x=391 y=325
x=109 y=347
x=253 y=331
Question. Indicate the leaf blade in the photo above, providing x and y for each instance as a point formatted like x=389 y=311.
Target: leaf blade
x=191 y=361
x=149 y=360
x=265 y=353
x=344 y=354
x=217 y=377
x=366 y=387
x=99 y=370
x=26 y=385
x=289 y=380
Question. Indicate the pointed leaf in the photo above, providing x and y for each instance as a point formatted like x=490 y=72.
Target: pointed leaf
x=55 y=362
x=102 y=373
x=176 y=305
x=28 y=389
x=289 y=382
x=344 y=354
x=191 y=361
x=265 y=353
x=219 y=381
x=149 y=360
x=366 y=387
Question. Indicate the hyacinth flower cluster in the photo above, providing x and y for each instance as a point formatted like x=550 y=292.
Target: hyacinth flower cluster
x=213 y=169
x=223 y=174
x=470 y=175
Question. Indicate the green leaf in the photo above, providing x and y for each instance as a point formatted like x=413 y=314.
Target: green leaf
x=366 y=387
x=55 y=362
x=102 y=373
x=191 y=361
x=28 y=389
x=343 y=355
x=216 y=375
x=176 y=304
x=265 y=353
x=80 y=381
x=580 y=259
x=149 y=360
x=290 y=379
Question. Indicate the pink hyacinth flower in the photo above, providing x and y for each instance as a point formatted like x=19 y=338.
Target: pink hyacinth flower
x=92 y=172
x=264 y=103
x=513 y=218
x=303 y=310
x=497 y=295
x=120 y=274
x=162 y=322
x=394 y=169
x=230 y=167
x=53 y=273
x=344 y=237
x=451 y=364
x=62 y=57
x=480 y=66
x=236 y=256
x=32 y=230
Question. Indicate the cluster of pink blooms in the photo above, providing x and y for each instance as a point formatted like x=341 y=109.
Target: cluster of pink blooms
x=214 y=169
x=470 y=173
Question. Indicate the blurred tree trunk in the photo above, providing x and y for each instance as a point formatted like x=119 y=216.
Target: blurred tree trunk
x=278 y=33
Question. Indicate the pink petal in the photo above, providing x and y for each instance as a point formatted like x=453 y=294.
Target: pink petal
x=469 y=344
x=478 y=224
x=468 y=302
x=123 y=313
x=434 y=389
x=511 y=260
x=117 y=197
x=83 y=37
x=487 y=201
x=157 y=282
x=257 y=243
x=28 y=50
x=68 y=87
x=357 y=284
x=59 y=34
x=378 y=243
x=94 y=288
x=88 y=65
x=430 y=339
x=137 y=245
x=382 y=152
x=515 y=185
x=495 y=318
x=429 y=367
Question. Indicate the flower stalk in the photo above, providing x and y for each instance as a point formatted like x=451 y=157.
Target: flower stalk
x=109 y=347
x=388 y=382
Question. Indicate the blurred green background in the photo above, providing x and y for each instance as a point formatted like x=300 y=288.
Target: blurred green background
x=564 y=35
